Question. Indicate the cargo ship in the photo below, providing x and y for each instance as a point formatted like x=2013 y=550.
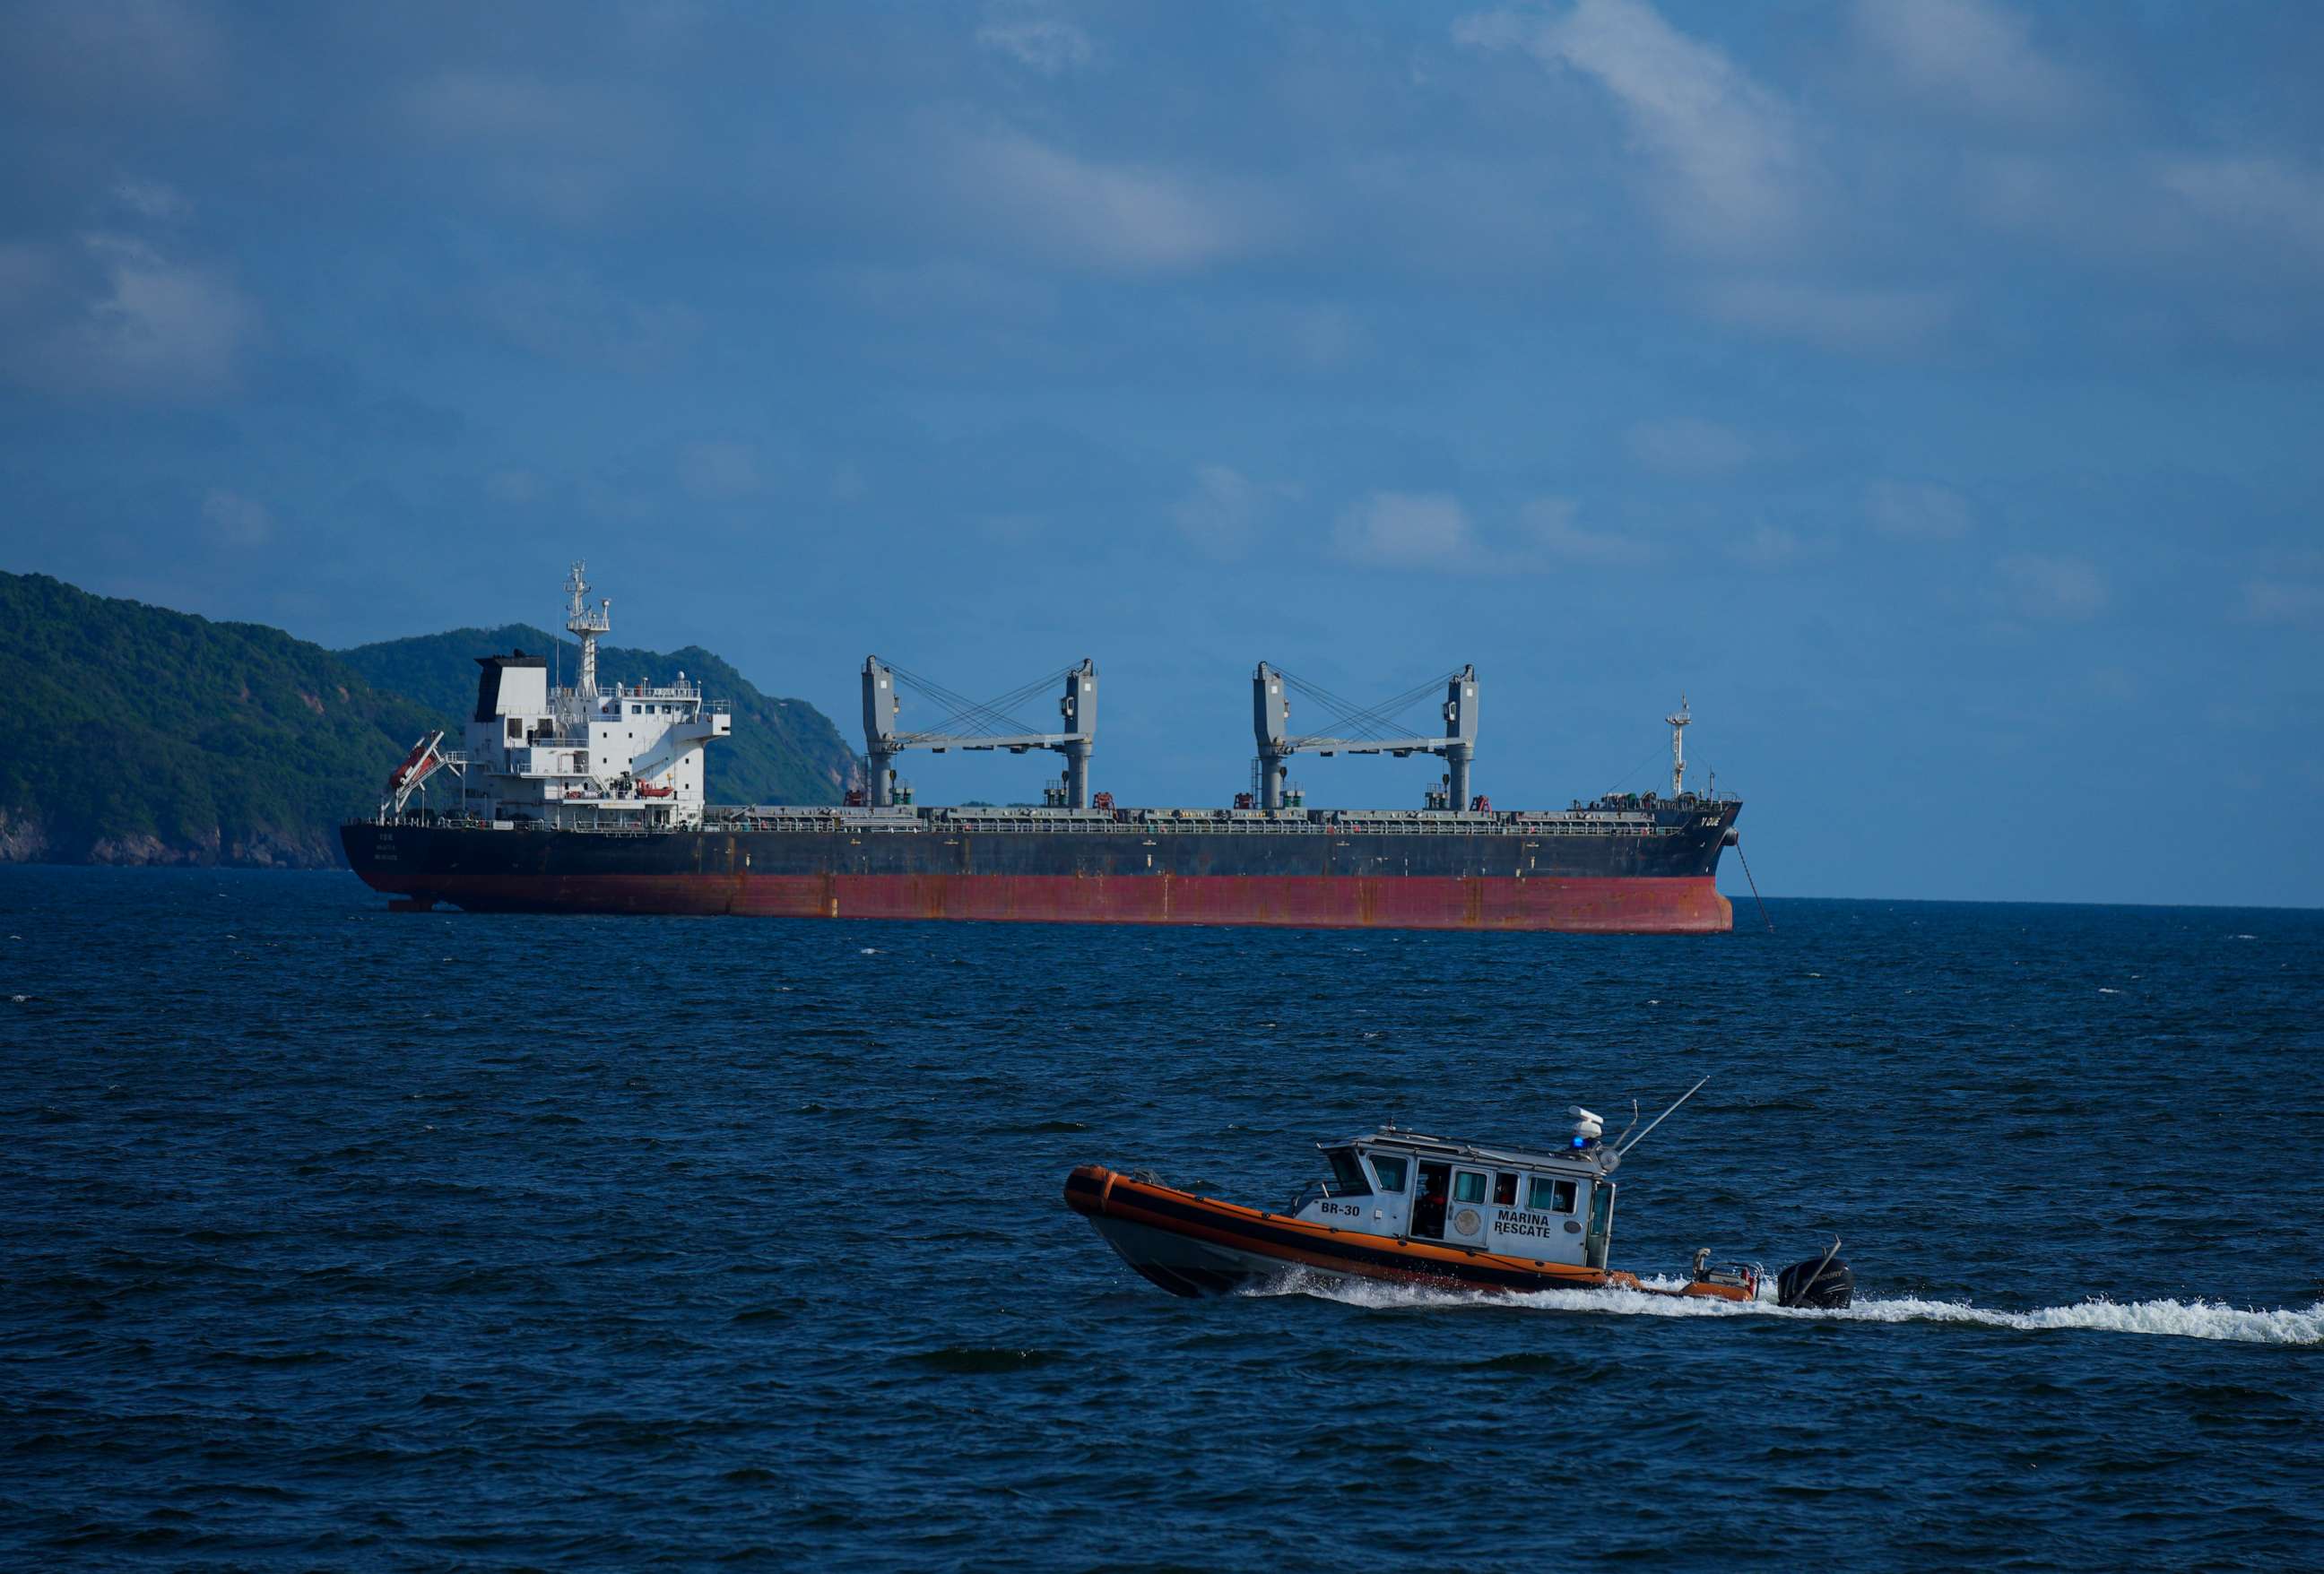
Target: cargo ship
x=591 y=798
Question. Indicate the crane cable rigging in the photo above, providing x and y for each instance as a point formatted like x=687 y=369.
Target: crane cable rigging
x=990 y=717
x=1366 y=722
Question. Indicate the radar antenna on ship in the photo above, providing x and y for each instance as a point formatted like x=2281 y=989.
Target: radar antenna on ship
x=580 y=621
x=1679 y=720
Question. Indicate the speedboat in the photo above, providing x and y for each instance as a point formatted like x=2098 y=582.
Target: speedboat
x=1407 y=1209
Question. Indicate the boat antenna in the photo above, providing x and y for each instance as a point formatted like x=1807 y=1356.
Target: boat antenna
x=1624 y=1150
x=1633 y=1126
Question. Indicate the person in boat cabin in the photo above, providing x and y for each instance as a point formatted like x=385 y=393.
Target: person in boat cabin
x=1428 y=1214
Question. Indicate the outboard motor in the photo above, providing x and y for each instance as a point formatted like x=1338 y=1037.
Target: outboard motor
x=1820 y=1284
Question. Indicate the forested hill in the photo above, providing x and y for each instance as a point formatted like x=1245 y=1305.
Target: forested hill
x=782 y=752
x=139 y=735
x=142 y=735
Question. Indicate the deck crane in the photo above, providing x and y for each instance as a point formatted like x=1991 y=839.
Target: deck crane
x=974 y=724
x=1271 y=727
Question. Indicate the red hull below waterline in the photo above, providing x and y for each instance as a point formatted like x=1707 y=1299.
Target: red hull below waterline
x=1681 y=906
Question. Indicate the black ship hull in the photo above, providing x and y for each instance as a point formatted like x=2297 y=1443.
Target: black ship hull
x=1658 y=876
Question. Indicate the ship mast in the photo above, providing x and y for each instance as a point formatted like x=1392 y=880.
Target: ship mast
x=587 y=624
x=1678 y=720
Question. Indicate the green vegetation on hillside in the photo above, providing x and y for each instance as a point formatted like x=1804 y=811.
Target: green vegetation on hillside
x=782 y=752
x=142 y=735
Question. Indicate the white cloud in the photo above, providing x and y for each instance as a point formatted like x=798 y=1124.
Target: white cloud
x=1916 y=510
x=1114 y=216
x=1223 y=512
x=151 y=200
x=1727 y=149
x=1548 y=531
x=948 y=289
x=2271 y=601
x=1686 y=446
x=512 y=486
x=1433 y=530
x=1036 y=36
x=2059 y=589
x=1013 y=530
x=569 y=151
x=2262 y=198
x=164 y=323
x=113 y=316
x=1323 y=337
x=572 y=317
x=99 y=56
x=1409 y=529
x=718 y=472
x=1971 y=58
x=1837 y=318
x=237 y=521
x=1768 y=546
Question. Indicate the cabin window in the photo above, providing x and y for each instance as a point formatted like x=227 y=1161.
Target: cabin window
x=1468 y=1186
x=1347 y=1175
x=1504 y=1190
x=1391 y=1171
x=516 y=726
x=1548 y=1196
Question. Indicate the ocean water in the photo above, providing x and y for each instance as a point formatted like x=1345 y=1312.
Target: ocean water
x=333 y=1237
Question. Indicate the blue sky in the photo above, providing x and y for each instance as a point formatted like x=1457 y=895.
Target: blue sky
x=1929 y=390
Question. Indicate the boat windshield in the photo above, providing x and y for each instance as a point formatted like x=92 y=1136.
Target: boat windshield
x=1347 y=1175
x=1389 y=1168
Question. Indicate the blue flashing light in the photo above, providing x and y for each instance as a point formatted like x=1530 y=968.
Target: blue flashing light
x=1582 y=1142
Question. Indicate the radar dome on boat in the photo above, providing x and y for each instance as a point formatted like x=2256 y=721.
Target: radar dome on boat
x=1587 y=1127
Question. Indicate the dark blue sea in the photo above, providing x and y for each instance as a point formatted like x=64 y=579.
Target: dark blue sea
x=338 y=1239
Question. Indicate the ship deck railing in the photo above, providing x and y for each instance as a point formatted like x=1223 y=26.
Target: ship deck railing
x=649 y=691
x=836 y=821
x=1144 y=824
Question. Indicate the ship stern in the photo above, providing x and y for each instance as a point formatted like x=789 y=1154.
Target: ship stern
x=389 y=860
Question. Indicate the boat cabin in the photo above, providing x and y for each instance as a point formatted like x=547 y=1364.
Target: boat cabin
x=1553 y=1207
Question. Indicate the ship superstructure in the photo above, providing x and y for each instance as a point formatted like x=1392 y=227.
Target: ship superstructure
x=627 y=757
x=592 y=798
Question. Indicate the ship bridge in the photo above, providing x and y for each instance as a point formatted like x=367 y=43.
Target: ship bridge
x=592 y=755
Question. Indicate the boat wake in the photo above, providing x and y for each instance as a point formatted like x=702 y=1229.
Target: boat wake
x=2177 y=1318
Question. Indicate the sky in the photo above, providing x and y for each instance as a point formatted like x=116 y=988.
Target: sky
x=1927 y=390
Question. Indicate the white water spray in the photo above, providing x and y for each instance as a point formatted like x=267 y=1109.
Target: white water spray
x=2178 y=1318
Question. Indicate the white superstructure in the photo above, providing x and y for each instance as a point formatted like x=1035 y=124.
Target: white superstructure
x=1553 y=1207
x=604 y=758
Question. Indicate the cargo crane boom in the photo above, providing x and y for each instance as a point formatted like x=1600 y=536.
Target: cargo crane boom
x=1271 y=729
x=997 y=728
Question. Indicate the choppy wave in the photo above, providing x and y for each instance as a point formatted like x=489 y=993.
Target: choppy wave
x=2208 y=1320
x=976 y=1360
